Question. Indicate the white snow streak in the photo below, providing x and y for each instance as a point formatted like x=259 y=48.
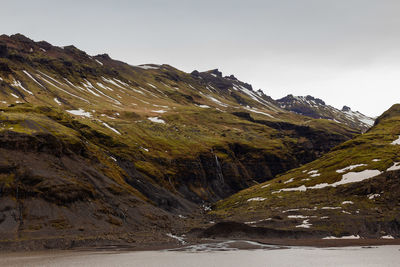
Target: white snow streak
x=256 y=199
x=156 y=120
x=111 y=128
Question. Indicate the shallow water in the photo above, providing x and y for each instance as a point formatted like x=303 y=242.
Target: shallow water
x=203 y=256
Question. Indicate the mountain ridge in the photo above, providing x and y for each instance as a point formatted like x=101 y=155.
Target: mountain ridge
x=317 y=108
x=146 y=149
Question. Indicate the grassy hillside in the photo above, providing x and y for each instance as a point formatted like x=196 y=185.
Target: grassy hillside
x=133 y=144
x=352 y=190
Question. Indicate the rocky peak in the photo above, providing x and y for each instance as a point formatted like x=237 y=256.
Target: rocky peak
x=215 y=72
x=21 y=38
x=346 y=109
x=286 y=99
x=44 y=45
x=103 y=56
x=231 y=77
x=316 y=100
x=195 y=73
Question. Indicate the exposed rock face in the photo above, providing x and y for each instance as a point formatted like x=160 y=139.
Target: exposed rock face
x=234 y=230
x=3 y=51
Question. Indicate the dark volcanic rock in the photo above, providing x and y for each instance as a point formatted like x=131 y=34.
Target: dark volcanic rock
x=237 y=230
x=3 y=50
x=346 y=108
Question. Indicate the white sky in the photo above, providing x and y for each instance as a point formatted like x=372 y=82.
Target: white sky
x=346 y=52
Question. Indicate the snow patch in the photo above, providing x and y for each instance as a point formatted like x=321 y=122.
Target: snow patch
x=155 y=87
x=104 y=86
x=18 y=84
x=98 y=61
x=372 y=196
x=349 y=168
x=259 y=112
x=343 y=237
x=160 y=106
x=285 y=211
x=148 y=67
x=305 y=224
x=90 y=86
x=301 y=188
x=217 y=101
x=105 y=115
x=156 y=120
x=159 y=111
x=347 y=202
x=179 y=238
x=203 y=106
x=33 y=79
x=51 y=78
x=80 y=112
x=262 y=220
x=396 y=142
x=395 y=167
x=57 y=101
x=297 y=217
x=256 y=199
x=112 y=82
x=289 y=181
x=353 y=177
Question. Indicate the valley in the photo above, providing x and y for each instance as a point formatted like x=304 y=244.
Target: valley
x=98 y=152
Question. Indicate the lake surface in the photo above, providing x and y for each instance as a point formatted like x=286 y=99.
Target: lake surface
x=218 y=255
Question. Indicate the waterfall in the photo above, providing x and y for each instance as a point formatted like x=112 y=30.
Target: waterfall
x=220 y=175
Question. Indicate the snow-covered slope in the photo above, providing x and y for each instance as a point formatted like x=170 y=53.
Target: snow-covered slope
x=316 y=108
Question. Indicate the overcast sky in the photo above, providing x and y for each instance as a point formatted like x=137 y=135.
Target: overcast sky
x=346 y=52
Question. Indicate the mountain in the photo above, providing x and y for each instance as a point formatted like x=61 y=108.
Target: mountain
x=353 y=190
x=316 y=108
x=94 y=150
